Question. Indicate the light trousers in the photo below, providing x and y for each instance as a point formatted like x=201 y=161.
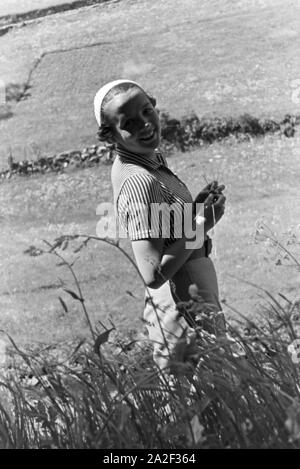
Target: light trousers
x=166 y=326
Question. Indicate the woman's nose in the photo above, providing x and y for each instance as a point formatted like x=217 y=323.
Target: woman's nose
x=144 y=118
x=143 y=123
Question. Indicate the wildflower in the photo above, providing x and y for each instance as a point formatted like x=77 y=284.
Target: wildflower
x=195 y=431
x=294 y=351
x=295 y=316
x=235 y=346
x=247 y=425
x=296 y=328
x=32 y=381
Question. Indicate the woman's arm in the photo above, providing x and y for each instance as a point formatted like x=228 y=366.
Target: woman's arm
x=157 y=268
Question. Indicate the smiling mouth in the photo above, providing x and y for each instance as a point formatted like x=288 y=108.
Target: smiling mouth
x=149 y=136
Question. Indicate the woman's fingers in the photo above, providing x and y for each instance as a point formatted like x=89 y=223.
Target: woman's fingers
x=214 y=208
x=219 y=202
x=211 y=186
x=220 y=188
x=209 y=200
x=221 y=199
x=201 y=197
x=206 y=188
x=214 y=185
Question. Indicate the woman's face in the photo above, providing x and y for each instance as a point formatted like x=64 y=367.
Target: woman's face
x=134 y=121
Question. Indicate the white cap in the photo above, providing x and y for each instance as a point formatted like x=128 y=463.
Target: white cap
x=102 y=92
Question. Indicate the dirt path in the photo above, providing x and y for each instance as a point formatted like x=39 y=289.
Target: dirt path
x=12 y=7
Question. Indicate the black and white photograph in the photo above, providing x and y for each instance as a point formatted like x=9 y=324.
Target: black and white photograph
x=150 y=227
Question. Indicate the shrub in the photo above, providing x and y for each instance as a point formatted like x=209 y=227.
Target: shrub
x=184 y=134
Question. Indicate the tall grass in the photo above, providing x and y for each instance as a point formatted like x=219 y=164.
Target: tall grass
x=239 y=390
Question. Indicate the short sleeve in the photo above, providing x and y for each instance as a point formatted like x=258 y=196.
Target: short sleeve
x=137 y=204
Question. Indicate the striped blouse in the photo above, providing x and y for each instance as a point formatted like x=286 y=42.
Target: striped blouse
x=139 y=181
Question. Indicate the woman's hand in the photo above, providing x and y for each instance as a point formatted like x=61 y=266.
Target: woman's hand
x=214 y=203
x=214 y=208
x=213 y=187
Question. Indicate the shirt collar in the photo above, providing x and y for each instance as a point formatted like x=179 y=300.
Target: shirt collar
x=136 y=158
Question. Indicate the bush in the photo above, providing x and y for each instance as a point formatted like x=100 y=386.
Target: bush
x=184 y=134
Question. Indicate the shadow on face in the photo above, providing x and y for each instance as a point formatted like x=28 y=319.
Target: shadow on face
x=134 y=121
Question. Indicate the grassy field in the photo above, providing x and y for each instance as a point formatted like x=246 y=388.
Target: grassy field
x=258 y=185
x=217 y=58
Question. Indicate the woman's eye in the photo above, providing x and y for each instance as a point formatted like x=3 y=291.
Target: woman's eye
x=149 y=110
x=127 y=123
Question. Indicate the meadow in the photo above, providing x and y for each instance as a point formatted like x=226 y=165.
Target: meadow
x=51 y=205
x=187 y=59
x=190 y=62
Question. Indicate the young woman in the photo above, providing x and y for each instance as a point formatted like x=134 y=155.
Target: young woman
x=127 y=116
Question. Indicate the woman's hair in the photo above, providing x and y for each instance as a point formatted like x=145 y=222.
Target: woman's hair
x=104 y=131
